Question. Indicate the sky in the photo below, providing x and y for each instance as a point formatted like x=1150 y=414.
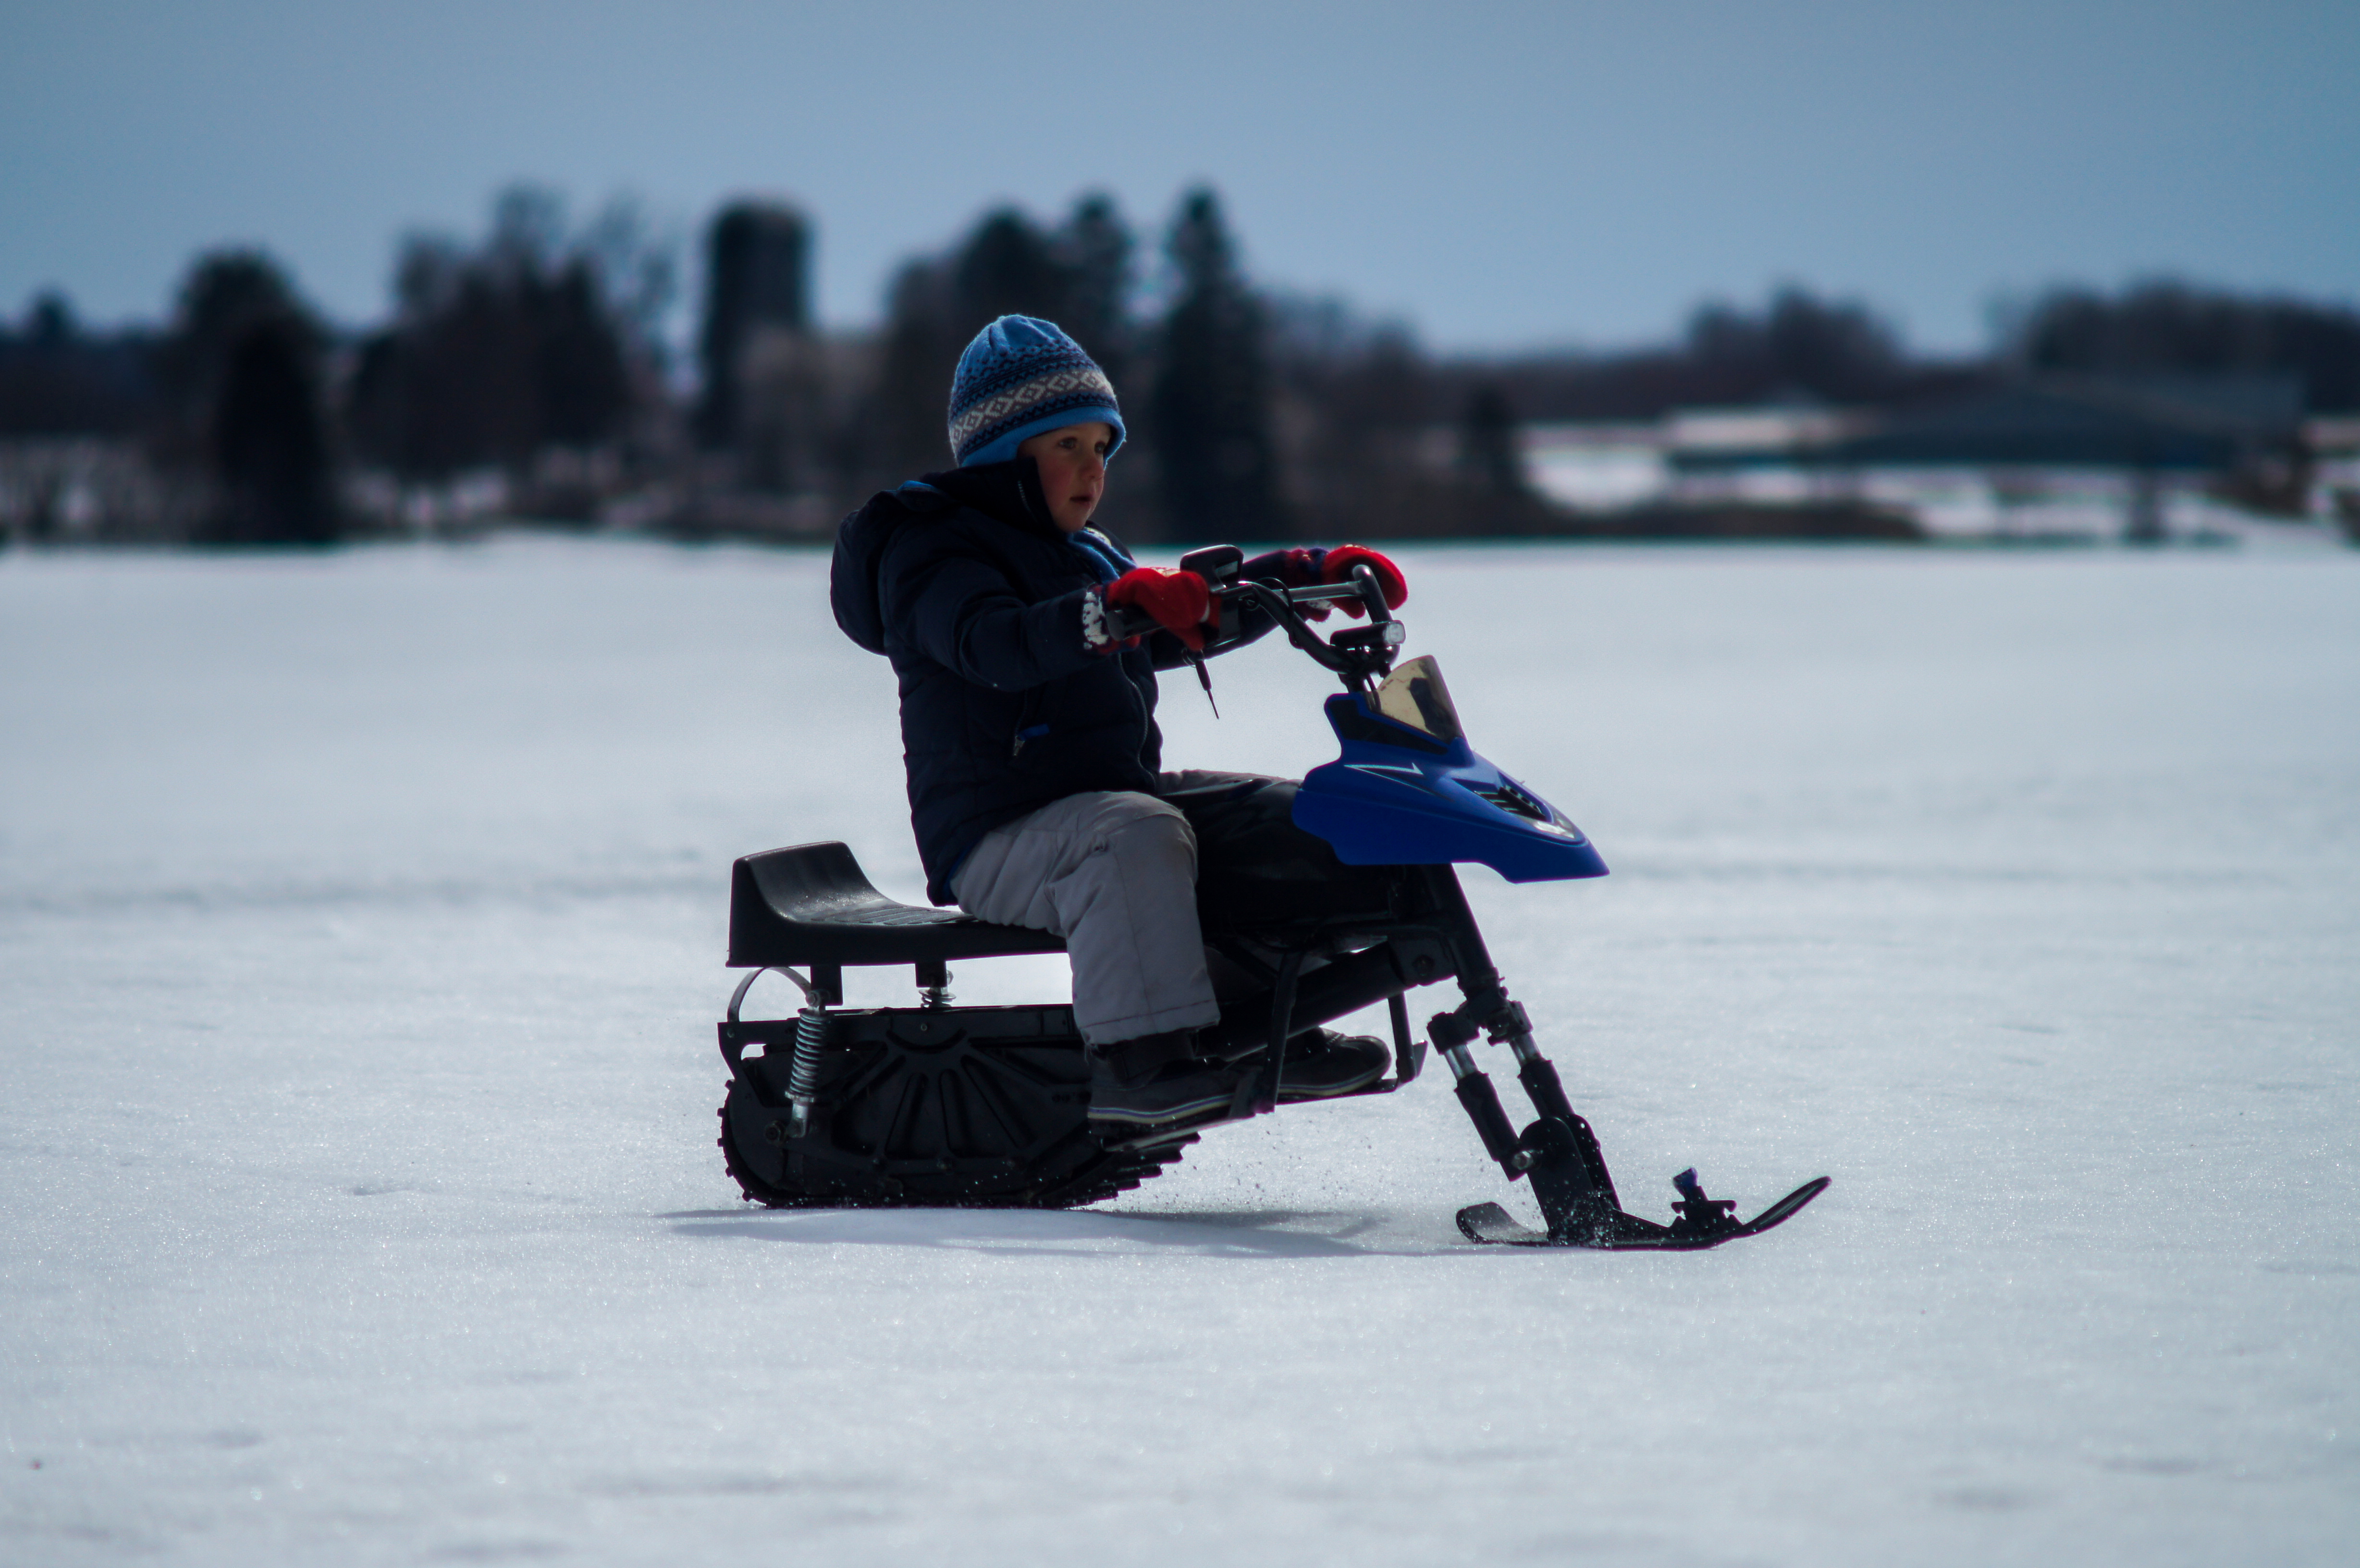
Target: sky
x=1500 y=177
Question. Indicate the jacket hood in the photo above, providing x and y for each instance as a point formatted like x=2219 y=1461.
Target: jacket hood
x=1008 y=492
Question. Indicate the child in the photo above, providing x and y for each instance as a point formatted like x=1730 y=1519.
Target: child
x=1027 y=727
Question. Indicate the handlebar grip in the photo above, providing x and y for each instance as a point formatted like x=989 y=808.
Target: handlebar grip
x=1126 y=621
x=1217 y=564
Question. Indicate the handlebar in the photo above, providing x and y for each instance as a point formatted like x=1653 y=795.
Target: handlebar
x=1364 y=587
x=1356 y=653
x=1325 y=593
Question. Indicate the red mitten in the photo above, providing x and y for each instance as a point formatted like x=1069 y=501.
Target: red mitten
x=1296 y=568
x=1337 y=568
x=1179 y=601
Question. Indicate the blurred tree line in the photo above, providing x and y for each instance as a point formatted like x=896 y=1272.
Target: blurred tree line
x=2171 y=329
x=1263 y=416
x=1248 y=416
x=1800 y=347
x=232 y=391
x=536 y=353
x=57 y=379
x=538 y=340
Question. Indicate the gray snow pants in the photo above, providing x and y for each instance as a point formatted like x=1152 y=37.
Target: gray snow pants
x=1122 y=877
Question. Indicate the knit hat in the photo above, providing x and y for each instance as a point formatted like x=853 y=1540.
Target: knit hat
x=1020 y=376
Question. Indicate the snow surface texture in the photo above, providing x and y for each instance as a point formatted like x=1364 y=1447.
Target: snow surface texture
x=361 y=926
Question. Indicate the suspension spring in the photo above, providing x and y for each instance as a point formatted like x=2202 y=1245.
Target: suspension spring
x=803 y=1075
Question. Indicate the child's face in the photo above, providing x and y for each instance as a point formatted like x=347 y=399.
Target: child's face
x=1072 y=470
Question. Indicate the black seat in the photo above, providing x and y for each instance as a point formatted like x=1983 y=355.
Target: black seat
x=811 y=905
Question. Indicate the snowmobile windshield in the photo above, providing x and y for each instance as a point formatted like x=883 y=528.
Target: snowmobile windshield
x=1415 y=695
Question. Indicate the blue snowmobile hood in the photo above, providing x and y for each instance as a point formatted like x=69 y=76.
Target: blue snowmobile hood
x=1409 y=790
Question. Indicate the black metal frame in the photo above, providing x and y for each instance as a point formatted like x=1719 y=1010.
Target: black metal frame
x=1324 y=971
x=1436 y=938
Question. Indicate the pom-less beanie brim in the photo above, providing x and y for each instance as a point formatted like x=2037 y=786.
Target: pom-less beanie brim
x=1022 y=376
x=1003 y=447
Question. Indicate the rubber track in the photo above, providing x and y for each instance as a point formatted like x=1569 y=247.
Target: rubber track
x=1102 y=1178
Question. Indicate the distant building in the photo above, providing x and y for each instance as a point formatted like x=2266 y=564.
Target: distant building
x=2052 y=455
x=2188 y=424
x=758 y=284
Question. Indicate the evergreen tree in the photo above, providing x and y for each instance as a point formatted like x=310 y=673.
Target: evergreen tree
x=1490 y=459
x=498 y=354
x=225 y=294
x=1496 y=493
x=1095 y=247
x=906 y=430
x=1007 y=268
x=1357 y=398
x=1833 y=350
x=2174 y=329
x=269 y=441
x=1079 y=277
x=580 y=370
x=57 y=378
x=1209 y=406
x=1838 y=351
x=242 y=364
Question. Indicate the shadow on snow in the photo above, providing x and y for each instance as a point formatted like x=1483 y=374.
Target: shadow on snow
x=1246 y=1232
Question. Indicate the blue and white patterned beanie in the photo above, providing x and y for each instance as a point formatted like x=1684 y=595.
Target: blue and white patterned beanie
x=1020 y=376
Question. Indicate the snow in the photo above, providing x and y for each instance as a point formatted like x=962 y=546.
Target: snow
x=361 y=922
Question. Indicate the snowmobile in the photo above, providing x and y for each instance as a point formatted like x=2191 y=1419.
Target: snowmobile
x=944 y=1106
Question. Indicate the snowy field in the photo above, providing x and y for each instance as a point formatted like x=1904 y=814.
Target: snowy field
x=361 y=926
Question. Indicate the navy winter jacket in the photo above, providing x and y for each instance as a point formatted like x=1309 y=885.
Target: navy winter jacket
x=966 y=583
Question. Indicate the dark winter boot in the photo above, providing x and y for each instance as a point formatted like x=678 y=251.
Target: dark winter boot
x=1322 y=1064
x=1152 y=1084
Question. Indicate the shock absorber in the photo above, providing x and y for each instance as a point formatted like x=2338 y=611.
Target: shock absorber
x=1452 y=1034
x=810 y=1038
x=802 y=1073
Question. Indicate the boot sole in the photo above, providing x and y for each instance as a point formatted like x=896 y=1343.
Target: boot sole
x=1174 y=1116
x=1287 y=1096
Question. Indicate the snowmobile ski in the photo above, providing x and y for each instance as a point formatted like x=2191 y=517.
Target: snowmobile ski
x=1703 y=1223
